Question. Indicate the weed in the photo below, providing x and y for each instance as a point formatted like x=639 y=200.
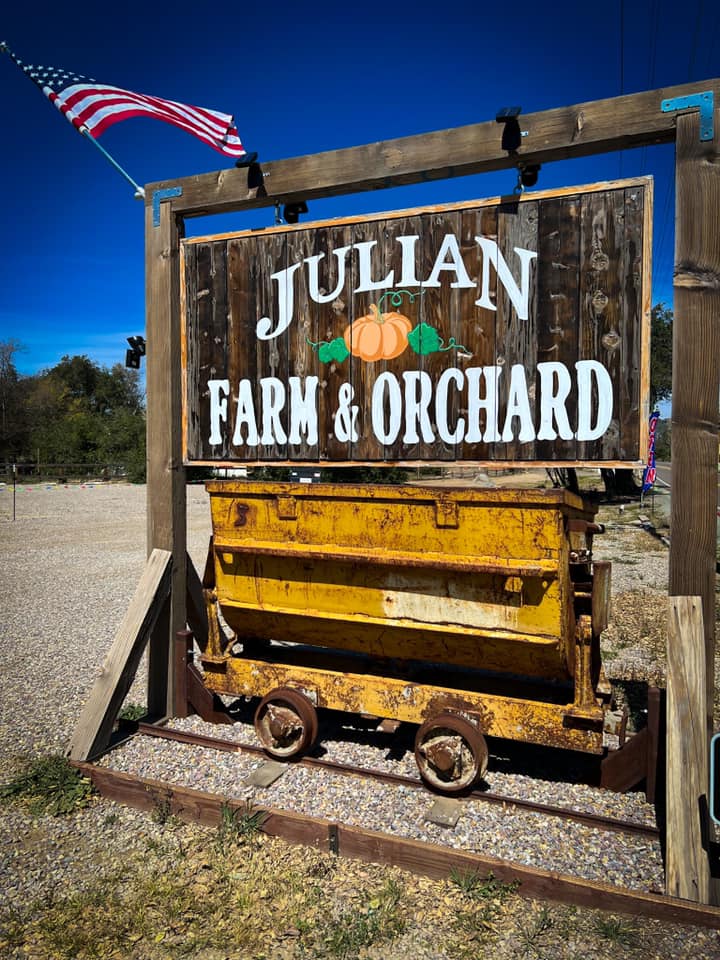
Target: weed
x=532 y=935
x=616 y=930
x=377 y=920
x=162 y=807
x=50 y=785
x=238 y=824
x=472 y=885
x=133 y=711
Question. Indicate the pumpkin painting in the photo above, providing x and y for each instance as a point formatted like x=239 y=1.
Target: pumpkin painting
x=378 y=336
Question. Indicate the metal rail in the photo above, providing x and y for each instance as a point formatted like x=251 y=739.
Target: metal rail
x=594 y=820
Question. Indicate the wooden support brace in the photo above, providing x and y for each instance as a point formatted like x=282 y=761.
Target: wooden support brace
x=687 y=873
x=93 y=730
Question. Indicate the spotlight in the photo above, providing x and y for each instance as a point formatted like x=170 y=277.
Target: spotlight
x=136 y=351
x=529 y=174
x=292 y=211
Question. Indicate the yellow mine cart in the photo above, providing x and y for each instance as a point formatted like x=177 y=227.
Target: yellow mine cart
x=470 y=612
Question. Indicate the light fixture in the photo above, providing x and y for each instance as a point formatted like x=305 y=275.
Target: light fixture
x=136 y=351
x=292 y=211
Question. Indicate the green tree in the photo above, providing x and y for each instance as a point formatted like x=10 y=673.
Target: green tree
x=82 y=412
x=661 y=333
x=13 y=413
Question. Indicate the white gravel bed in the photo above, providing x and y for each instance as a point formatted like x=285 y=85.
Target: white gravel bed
x=370 y=750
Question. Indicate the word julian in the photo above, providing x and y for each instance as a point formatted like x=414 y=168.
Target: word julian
x=448 y=260
x=422 y=412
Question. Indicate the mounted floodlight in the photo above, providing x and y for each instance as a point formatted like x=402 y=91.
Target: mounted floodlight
x=137 y=344
x=136 y=351
x=529 y=174
x=292 y=211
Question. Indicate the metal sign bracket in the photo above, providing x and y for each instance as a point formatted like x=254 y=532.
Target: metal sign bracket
x=158 y=196
x=703 y=101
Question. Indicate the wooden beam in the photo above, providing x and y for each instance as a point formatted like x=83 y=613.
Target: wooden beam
x=584 y=129
x=696 y=379
x=92 y=733
x=426 y=859
x=687 y=871
x=166 y=505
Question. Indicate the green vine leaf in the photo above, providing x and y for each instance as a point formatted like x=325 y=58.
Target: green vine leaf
x=335 y=350
x=424 y=339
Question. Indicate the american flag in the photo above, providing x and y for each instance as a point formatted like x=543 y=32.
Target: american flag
x=93 y=107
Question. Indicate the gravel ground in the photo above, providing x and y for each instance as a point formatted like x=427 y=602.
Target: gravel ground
x=71 y=561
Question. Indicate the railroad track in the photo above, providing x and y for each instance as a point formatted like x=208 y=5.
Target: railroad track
x=588 y=819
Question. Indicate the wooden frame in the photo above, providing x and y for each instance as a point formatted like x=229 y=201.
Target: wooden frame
x=581 y=130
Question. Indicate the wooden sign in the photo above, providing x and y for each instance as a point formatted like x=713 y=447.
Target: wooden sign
x=513 y=330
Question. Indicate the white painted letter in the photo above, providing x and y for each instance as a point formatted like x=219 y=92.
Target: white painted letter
x=518 y=406
x=303 y=410
x=313 y=280
x=488 y=403
x=245 y=415
x=519 y=296
x=286 y=297
x=365 y=267
x=408 y=278
x=416 y=407
x=587 y=371
x=456 y=265
x=441 y=406
x=273 y=401
x=553 y=404
x=218 y=408
x=386 y=383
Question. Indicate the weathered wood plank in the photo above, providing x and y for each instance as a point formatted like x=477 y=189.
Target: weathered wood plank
x=166 y=506
x=94 y=726
x=696 y=378
x=558 y=306
x=515 y=338
x=687 y=869
x=479 y=337
x=242 y=278
x=580 y=130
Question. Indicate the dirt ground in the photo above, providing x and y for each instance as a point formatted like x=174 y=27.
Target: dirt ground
x=136 y=887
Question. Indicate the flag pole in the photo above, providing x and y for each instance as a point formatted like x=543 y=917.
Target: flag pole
x=139 y=191
x=83 y=130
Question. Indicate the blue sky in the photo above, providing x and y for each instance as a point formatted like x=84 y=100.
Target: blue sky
x=299 y=79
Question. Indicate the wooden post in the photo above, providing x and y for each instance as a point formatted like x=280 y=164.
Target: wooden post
x=696 y=378
x=166 y=508
x=687 y=869
x=693 y=526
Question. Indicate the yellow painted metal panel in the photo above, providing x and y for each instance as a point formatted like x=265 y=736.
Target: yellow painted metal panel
x=477 y=578
x=510 y=718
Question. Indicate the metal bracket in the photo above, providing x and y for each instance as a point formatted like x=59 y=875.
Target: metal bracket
x=158 y=196
x=703 y=101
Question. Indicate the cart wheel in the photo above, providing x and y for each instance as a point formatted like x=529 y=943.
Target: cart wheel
x=286 y=723
x=451 y=753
